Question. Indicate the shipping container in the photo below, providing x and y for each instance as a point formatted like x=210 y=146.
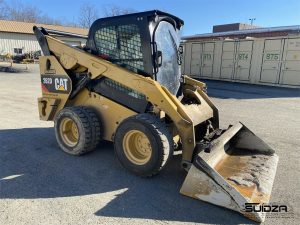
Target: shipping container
x=268 y=61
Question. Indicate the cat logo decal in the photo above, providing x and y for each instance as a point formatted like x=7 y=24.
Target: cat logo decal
x=61 y=84
x=56 y=84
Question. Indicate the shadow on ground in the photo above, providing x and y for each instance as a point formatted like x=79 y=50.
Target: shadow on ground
x=8 y=69
x=224 y=90
x=46 y=172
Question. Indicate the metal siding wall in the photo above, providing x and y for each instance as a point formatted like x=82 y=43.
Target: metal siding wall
x=28 y=42
x=9 y=41
x=257 y=65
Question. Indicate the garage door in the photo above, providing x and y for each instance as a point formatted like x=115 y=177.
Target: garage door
x=271 y=62
x=243 y=60
x=228 y=58
x=290 y=70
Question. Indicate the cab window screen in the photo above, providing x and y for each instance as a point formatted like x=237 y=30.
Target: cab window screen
x=121 y=45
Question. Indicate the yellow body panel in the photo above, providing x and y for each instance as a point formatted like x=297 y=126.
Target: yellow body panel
x=110 y=113
x=181 y=115
x=52 y=102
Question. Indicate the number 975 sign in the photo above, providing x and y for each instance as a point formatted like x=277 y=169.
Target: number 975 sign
x=272 y=56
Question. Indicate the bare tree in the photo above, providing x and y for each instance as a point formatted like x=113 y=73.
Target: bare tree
x=88 y=14
x=16 y=10
x=72 y=23
x=113 y=10
x=20 y=12
x=3 y=9
x=45 y=19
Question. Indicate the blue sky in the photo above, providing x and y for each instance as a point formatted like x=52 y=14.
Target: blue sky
x=199 y=16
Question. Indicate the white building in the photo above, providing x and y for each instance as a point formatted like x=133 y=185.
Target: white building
x=18 y=38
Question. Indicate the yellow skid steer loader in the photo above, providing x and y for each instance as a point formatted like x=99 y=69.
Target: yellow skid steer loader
x=125 y=86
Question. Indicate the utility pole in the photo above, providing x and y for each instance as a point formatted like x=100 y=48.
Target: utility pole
x=251 y=20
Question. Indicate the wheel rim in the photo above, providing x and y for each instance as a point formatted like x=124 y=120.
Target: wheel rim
x=69 y=132
x=137 y=147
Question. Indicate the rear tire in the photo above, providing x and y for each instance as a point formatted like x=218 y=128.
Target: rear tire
x=143 y=144
x=77 y=130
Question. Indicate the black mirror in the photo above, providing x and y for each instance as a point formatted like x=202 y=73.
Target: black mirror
x=158 y=58
x=180 y=49
x=180 y=54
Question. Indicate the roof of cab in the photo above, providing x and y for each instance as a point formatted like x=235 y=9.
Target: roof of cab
x=146 y=13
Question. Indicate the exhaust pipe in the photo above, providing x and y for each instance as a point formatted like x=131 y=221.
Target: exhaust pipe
x=239 y=169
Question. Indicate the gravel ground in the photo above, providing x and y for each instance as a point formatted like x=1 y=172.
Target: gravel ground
x=39 y=184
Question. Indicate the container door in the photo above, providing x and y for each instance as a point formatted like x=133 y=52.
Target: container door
x=207 y=59
x=290 y=70
x=243 y=60
x=228 y=56
x=196 y=59
x=271 y=63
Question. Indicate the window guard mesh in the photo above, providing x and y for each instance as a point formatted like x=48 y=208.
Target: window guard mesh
x=121 y=45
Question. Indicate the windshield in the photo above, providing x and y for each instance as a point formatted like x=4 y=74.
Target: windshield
x=167 y=40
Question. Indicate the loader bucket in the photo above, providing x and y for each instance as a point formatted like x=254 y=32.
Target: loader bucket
x=239 y=169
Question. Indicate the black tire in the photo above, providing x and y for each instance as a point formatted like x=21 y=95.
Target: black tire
x=88 y=127
x=159 y=138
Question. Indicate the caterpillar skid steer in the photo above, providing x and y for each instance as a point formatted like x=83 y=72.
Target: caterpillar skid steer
x=125 y=86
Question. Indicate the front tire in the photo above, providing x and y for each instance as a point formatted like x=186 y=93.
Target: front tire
x=77 y=130
x=143 y=144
